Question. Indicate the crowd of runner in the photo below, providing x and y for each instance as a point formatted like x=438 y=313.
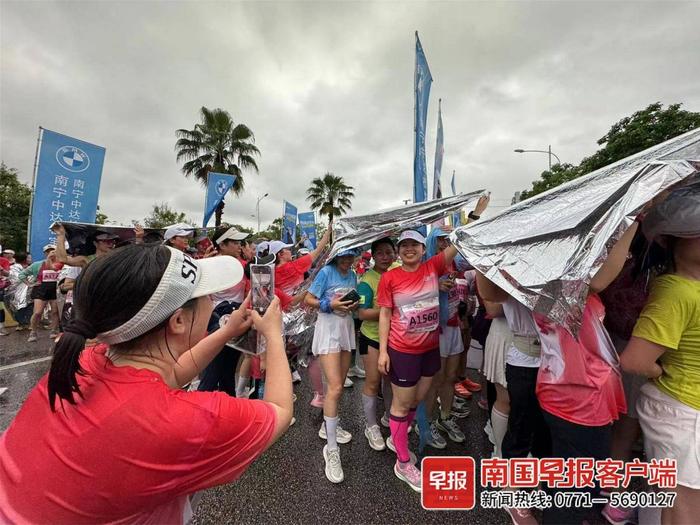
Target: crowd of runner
x=147 y=402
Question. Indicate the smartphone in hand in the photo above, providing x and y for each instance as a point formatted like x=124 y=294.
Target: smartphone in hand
x=262 y=286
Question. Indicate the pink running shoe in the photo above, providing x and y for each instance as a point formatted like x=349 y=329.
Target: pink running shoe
x=409 y=473
x=317 y=401
x=619 y=515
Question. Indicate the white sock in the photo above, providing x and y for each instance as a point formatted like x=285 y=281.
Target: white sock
x=499 y=423
x=241 y=385
x=331 y=431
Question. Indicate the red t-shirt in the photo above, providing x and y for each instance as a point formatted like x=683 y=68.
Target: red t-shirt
x=129 y=452
x=580 y=381
x=290 y=275
x=413 y=298
x=5 y=264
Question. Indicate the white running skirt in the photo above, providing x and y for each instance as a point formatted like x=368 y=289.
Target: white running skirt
x=498 y=342
x=671 y=430
x=333 y=333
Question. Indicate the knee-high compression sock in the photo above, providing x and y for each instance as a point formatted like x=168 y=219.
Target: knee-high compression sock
x=331 y=431
x=369 y=404
x=399 y=435
x=411 y=416
x=499 y=423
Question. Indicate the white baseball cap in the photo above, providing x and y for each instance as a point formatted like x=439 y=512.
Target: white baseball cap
x=183 y=279
x=411 y=234
x=178 y=230
x=48 y=247
x=261 y=247
x=278 y=246
x=7 y=250
x=232 y=234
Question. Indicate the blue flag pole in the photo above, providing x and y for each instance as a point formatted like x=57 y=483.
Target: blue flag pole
x=439 y=153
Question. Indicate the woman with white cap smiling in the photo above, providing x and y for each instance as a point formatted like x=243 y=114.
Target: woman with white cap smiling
x=125 y=444
x=409 y=340
x=178 y=236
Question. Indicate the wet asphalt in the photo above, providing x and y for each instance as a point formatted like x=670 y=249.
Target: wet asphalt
x=287 y=484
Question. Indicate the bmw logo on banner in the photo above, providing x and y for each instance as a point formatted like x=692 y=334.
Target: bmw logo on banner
x=72 y=158
x=222 y=187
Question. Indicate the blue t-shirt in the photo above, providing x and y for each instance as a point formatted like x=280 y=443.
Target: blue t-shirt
x=330 y=284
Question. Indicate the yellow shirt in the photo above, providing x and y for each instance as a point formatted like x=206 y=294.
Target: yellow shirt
x=671 y=318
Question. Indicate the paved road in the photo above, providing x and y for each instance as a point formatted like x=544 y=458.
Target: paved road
x=287 y=485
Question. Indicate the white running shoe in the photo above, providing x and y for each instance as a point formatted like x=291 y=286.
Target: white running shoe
x=342 y=436
x=294 y=420
x=385 y=420
x=449 y=425
x=390 y=446
x=356 y=371
x=296 y=378
x=334 y=468
x=348 y=382
x=409 y=473
x=32 y=337
x=374 y=437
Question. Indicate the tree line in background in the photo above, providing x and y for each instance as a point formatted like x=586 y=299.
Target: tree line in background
x=217 y=144
x=643 y=129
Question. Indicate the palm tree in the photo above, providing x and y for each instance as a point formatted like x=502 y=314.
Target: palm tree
x=330 y=195
x=216 y=144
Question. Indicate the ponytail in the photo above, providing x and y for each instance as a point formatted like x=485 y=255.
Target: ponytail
x=65 y=365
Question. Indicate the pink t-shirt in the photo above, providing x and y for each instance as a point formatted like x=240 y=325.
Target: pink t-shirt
x=580 y=381
x=413 y=298
x=129 y=452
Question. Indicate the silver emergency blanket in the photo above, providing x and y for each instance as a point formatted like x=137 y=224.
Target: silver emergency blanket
x=360 y=231
x=80 y=235
x=545 y=250
x=17 y=298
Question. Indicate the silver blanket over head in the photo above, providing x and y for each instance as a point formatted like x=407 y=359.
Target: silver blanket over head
x=545 y=250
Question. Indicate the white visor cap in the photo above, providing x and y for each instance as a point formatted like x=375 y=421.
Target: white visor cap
x=232 y=234
x=178 y=230
x=184 y=278
x=413 y=235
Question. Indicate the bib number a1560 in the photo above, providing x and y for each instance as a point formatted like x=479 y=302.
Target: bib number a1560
x=423 y=320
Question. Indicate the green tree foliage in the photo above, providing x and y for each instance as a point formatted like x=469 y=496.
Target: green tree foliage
x=643 y=129
x=217 y=144
x=14 y=209
x=162 y=215
x=238 y=227
x=273 y=232
x=330 y=195
x=101 y=218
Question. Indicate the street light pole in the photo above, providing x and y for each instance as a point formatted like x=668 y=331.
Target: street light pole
x=548 y=151
x=257 y=209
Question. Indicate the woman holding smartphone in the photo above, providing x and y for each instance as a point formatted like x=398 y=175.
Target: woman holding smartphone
x=334 y=340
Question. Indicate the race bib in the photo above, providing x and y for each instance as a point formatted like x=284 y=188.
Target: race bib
x=49 y=276
x=423 y=316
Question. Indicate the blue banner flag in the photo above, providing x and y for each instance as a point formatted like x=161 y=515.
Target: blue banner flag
x=307 y=224
x=289 y=224
x=66 y=186
x=439 y=153
x=421 y=82
x=218 y=185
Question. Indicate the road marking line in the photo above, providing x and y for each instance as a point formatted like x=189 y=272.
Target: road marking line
x=23 y=363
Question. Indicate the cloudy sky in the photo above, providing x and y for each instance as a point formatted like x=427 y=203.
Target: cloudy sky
x=329 y=87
